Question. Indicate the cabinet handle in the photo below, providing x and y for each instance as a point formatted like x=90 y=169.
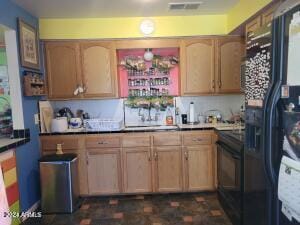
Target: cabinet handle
x=149 y=157
x=102 y=143
x=220 y=84
x=155 y=156
x=213 y=84
x=197 y=139
x=186 y=154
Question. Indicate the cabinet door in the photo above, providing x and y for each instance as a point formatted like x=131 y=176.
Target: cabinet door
x=104 y=171
x=63 y=69
x=168 y=169
x=229 y=52
x=253 y=25
x=197 y=67
x=137 y=175
x=198 y=168
x=267 y=16
x=99 y=69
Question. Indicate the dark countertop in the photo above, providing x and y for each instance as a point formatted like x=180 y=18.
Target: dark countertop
x=182 y=127
x=10 y=143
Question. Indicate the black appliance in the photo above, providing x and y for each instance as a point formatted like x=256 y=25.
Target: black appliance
x=230 y=173
x=271 y=63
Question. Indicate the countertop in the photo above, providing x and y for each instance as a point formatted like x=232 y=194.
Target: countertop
x=10 y=143
x=180 y=127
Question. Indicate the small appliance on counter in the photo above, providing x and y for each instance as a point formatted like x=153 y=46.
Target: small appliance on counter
x=59 y=124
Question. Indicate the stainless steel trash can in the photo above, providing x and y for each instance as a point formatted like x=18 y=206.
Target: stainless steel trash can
x=59 y=183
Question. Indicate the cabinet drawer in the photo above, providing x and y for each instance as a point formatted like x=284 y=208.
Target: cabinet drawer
x=167 y=139
x=197 y=139
x=103 y=142
x=136 y=141
x=68 y=143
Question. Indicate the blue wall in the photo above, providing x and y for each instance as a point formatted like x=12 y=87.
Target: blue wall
x=27 y=155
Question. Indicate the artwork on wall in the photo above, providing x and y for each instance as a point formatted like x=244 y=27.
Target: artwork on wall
x=28 y=45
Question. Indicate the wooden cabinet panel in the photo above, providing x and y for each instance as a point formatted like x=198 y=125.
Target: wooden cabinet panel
x=98 y=69
x=229 y=52
x=62 y=68
x=267 y=16
x=196 y=138
x=199 y=167
x=104 y=171
x=136 y=140
x=253 y=25
x=167 y=139
x=137 y=174
x=168 y=169
x=105 y=141
x=197 y=66
x=67 y=142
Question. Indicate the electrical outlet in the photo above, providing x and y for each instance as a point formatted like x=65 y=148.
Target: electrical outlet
x=36 y=118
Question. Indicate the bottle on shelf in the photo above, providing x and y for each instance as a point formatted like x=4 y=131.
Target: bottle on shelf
x=169 y=117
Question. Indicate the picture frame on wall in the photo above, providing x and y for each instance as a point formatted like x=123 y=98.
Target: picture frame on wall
x=29 y=51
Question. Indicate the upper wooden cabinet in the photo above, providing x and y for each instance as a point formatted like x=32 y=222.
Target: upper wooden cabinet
x=229 y=53
x=90 y=65
x=253 y=25
x=63 y=69
x=98 y=69
x=197 y=66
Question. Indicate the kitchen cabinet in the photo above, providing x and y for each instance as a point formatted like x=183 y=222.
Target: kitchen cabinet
x=168 y=169
x=197 y=66
x=104 y=171
x=137 y=172
x=229 y=53
x=63 y=69
x=253 y=25
x=198 y=168
x=89 y=65
x=264 y=18
x=99 y=77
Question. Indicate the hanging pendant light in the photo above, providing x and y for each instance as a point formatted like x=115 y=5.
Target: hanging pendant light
x=148 y=56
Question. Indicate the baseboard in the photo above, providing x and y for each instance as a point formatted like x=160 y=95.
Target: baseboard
x=33 y=208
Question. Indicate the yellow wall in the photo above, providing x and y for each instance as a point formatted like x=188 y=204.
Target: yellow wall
x=243 y=10
x=169 y=26
x=93 y=28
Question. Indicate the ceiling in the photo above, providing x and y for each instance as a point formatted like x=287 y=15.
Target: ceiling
x=118 y=8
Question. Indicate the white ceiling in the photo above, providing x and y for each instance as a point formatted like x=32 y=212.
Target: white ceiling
x=118 y=8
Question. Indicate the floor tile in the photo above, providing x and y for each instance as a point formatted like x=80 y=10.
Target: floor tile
x=85 y=222
x=113 y=202
x=164 y=209
x=216 y=213
x=188 y=219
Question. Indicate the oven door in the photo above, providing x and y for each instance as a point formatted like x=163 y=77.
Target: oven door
x=229 y=175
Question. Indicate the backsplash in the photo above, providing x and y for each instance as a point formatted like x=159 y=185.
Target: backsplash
x=114 y=108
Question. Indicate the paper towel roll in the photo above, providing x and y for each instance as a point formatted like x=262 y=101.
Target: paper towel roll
x=192 y=112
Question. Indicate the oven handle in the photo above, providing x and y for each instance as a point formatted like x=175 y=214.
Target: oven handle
x=233 y=154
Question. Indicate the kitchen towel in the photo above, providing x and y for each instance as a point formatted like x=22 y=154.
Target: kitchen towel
x=288 y=188
x=4 y=209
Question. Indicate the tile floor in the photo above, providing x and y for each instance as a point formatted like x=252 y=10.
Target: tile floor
x=167 y=209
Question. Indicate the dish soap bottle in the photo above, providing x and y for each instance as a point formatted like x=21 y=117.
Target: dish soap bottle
x=169 y=117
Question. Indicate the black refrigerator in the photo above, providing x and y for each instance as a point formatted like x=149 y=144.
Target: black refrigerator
x=272 y=143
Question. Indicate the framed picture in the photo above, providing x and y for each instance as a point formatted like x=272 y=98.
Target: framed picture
x=29 y=50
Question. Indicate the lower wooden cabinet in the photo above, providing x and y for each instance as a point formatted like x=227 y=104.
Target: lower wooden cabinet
x=141 y=162
x=198 y=168
x=168 y=169
x=104 y=171
x=137 y=173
